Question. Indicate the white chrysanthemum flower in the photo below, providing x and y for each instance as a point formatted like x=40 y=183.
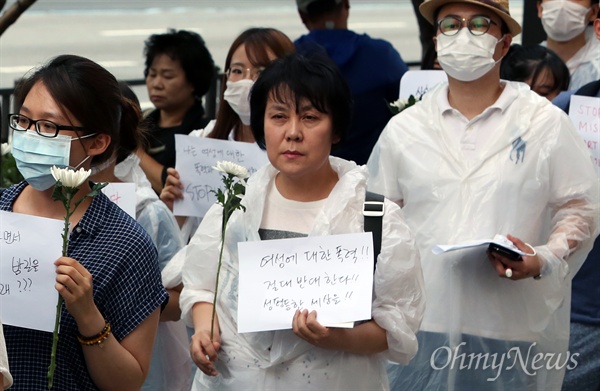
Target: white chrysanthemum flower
x=69 y=177
x=232 y=168
x=400 y=104
x=5 y=149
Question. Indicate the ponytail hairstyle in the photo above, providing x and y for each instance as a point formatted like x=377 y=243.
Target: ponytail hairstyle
x=259 y=43
x=87 y=92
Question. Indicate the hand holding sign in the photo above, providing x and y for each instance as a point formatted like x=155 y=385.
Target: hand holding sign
x=30 y=245
x=330 y=274
x=196 y=157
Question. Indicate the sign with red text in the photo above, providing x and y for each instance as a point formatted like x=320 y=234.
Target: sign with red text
x=122 y=194
x=29 y=247
x=332 y=275
x=195 y=159
x=585 y=114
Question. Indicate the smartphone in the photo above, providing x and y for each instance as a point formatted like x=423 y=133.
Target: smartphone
x=505 y=252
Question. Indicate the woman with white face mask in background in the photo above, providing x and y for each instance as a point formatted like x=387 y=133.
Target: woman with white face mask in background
x=249 y=53
x=565 y=23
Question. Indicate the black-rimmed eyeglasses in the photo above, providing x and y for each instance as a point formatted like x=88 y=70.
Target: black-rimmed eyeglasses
x=43 y=127
x=477 y=25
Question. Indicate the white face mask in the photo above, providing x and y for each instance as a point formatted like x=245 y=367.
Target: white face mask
x=563 y=20
x=237 y=94
x=467 y=57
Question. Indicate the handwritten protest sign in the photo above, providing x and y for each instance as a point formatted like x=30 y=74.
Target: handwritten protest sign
x=417 y=82
x=585 y=114
x=122 y=194
x=30 y=245
x=195 y=158
x=332 y=275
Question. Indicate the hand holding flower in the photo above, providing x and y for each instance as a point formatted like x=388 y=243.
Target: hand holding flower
x=233 y=178
x=74 y=283
x=204 y=347
x=67 y=186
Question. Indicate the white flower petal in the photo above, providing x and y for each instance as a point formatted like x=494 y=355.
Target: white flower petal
x=5 y=148
x=69 y=177
x=234 y=169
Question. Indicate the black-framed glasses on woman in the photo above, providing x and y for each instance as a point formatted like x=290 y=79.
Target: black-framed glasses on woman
x=477 y=25
x=43 y=127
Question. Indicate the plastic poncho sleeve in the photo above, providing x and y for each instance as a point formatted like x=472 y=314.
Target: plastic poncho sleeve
x=201 y=258
x=162 y=227
x=399 y=288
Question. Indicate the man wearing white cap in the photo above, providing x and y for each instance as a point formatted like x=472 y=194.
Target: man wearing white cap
x=477 y=157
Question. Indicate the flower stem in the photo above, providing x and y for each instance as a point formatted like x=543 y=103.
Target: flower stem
x=214 y=309
x=65 y=244
x=52 y=366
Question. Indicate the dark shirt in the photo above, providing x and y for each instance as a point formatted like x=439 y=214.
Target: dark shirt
x=161 y=141
x=373 y=69
x=127 y=289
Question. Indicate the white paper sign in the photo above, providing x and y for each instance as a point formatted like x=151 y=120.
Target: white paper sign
x=195 y=157
x=122 y=194
x=417 y=82
x=585 y=114
x=30 y=245
x=498 y=240
x=332 y=275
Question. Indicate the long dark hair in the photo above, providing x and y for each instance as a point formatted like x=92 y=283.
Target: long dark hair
x=258 y=42
x=523 y=63
x=90 y=94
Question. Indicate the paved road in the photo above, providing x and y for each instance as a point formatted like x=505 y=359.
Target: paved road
x=112 y=32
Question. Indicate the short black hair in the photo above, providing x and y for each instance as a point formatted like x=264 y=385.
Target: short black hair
x=522 y=63
x=189 y=49
x=315 y=78
x=320 y=7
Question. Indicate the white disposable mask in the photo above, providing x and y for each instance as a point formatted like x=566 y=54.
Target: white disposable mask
x=467 y=57
x=34 y=155
x=237 y=94
x=563 y=20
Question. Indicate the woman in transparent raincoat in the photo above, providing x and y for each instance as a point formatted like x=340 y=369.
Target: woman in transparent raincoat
x=299 y=108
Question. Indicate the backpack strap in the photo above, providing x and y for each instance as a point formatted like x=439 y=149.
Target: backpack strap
x=373 y=211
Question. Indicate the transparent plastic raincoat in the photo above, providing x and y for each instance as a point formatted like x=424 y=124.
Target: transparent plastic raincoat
x=519 y=188
x=170 y=366
x=278 y=360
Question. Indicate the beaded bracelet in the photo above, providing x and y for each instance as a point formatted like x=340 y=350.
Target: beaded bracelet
x=96 y=339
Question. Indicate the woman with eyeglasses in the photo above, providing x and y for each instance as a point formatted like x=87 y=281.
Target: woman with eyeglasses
x=71 y=113
x=249 y=53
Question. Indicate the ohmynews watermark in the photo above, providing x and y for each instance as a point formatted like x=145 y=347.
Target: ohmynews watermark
x=529 y=363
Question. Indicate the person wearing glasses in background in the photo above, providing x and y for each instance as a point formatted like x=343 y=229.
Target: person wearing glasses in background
x=71 y=113
x=480 y=156
x=249 y=53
